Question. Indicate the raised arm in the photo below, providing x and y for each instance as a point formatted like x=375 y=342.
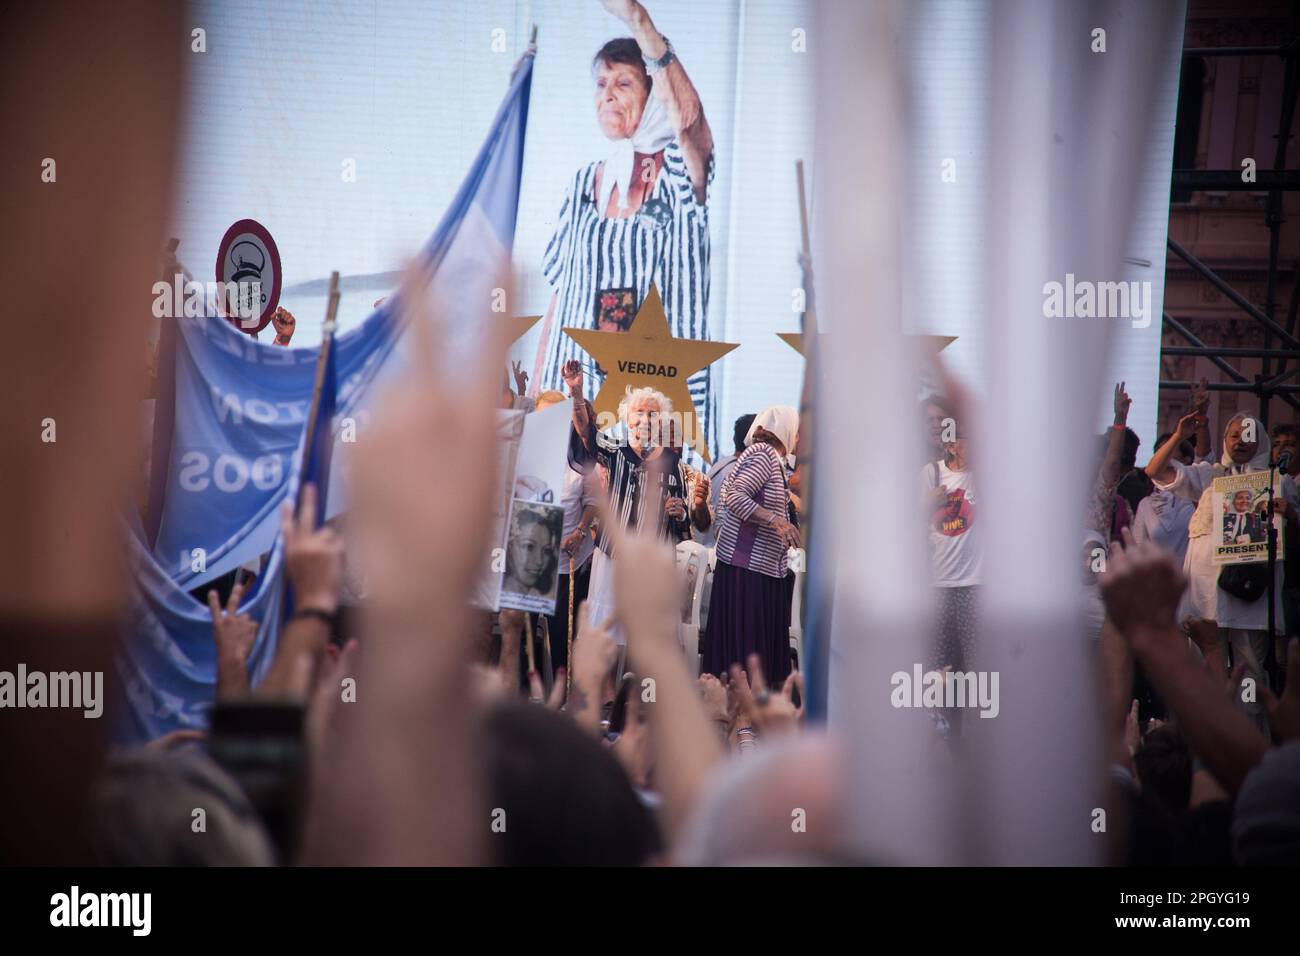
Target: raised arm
x=1158 y=468
x=1109 y=475
x=583 y=424
x=674 y=89
x=1141 y=590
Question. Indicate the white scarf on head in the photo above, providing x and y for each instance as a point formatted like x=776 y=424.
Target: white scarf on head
x=783 y=422
x=652 y=134
x=1203 y=517
x=1263 y=450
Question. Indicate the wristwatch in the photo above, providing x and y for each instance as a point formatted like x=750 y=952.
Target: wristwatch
x=654 y=66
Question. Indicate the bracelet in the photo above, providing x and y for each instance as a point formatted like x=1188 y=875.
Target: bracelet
x=323 y=615
x=654 y=66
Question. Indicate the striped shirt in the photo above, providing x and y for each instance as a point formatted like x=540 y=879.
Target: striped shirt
x=636 y=487
x=665 y=242
x=758 y=480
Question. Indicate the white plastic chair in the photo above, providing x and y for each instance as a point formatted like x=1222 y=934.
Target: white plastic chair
x=693 y=563
x=796 y=618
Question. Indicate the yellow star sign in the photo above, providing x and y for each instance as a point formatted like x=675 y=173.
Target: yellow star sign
x=934 y=343
x=520 y=324
x=647 y=354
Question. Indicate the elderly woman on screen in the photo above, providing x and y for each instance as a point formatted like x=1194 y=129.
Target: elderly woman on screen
x=750 y=609
x=647 y=482
x=639 y=215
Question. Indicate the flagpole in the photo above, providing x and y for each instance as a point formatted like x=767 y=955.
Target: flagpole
x=308 y=442
x=326 y=346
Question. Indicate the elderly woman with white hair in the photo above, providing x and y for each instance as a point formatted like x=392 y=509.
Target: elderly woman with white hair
x=1243 y=621
x=646 y=482
x=750 y=609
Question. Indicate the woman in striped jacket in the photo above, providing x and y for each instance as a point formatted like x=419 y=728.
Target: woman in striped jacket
x=750 y=609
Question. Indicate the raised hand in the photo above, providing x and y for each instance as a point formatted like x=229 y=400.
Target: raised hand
x=572 y=372
x=313 y=556
x=767 y=712
x=1201 y=397
x=234 y=634
x=521 y=377
x=1141 y=588
x=284 y=322
x=1122 y=403
x=594 y=653
x=1187 y=426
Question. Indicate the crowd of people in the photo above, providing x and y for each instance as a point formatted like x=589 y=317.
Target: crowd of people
x=636 y=751
x=403 y=726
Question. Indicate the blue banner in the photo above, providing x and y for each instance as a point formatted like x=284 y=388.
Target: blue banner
x=230 y=419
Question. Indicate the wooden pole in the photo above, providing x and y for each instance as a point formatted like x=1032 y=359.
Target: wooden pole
x=809 y=313
x=568 y=661
x=528 y=640
x=326 y=346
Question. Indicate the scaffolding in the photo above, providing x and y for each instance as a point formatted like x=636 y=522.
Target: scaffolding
x=1271 y=382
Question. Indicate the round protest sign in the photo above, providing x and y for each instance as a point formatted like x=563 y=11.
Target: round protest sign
x=248 y=275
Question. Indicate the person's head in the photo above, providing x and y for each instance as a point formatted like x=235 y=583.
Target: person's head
x=1266 y=815
x=566 y=799
x=641 y=410
x=548 y=398
x=954 y=451
x=622 y=87
x=535 y=546
x=1287 y=438
x=741 y=430
x=1185 y=452
x=1128 y=457
x=935 y=412
x=142 y=810
x=1241 y=501
x=1164 y=767
x=777 y=426
x=742 y=817
x=1235 y=446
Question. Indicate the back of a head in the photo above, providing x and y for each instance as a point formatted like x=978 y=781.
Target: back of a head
x=566 y=799
x=744 y=815
x=1266 y=817
x=741 y=430
x=143 y=814
x=1164 y=768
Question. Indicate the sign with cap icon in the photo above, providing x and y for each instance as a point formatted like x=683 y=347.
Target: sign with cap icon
x=248 y=268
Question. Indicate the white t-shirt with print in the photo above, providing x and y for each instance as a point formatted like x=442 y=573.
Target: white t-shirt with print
x=954 y=539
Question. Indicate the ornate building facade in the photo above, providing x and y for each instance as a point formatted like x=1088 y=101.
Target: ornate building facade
x=1228 y=112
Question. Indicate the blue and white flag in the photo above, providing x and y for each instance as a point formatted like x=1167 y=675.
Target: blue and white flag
x=229 y=425
x=238 y=407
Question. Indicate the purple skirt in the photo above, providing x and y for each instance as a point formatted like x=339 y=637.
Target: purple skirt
x=749 y=613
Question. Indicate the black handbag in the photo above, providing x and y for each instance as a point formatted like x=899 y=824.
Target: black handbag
x=1245 y=582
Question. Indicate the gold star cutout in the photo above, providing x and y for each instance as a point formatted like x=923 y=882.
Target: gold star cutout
x=520 y=325
x=934 y=343
x=647 y=354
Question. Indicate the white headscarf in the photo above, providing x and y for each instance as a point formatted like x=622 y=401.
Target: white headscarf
x=783 y=422
x=1263 y=450
x=653 y=132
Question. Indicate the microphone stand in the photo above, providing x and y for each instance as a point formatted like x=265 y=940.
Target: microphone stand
x=1271 y=537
